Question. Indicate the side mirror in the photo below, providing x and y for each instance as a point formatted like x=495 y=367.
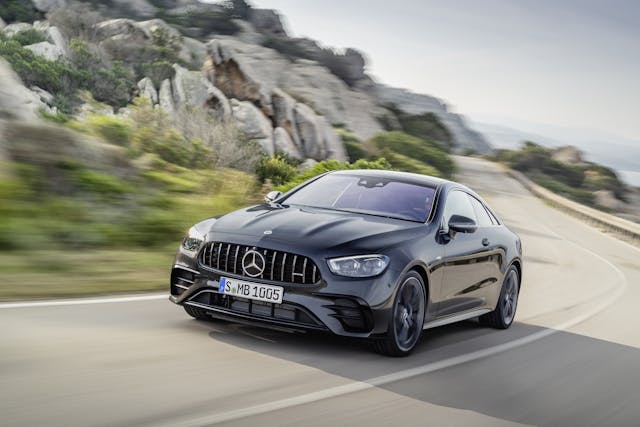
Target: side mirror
x=462 y=224
x=272 y=195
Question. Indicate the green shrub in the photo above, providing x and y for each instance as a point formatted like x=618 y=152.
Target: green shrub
x=407 y=164
x=56 y=77
x=113 y=129
x=100 y=183
x=153 y=132
x=417 y=149
x=279 y=169
x=19 y=11
x=31 y=36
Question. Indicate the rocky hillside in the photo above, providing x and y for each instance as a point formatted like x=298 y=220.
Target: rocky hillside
x=288 y=94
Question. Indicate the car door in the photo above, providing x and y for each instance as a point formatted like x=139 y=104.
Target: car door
x=466 y=269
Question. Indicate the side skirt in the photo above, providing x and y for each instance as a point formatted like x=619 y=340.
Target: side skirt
x=455 y=318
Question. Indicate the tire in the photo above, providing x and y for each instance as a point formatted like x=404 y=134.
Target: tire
x=196 y=313
x=407 y=318
x=505 y=312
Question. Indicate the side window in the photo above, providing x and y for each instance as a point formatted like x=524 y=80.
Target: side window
x=484 y=220
x=458 y=203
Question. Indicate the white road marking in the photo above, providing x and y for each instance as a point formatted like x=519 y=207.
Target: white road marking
x=83 y=301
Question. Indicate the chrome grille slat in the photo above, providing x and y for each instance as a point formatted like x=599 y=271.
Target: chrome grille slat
x=235 y=259
x=280 y=266
x=304 y=271
x=284 y=260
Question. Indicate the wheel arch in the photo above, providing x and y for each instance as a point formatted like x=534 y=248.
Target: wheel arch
x=517 y=263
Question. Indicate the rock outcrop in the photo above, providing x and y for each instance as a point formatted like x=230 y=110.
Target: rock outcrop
x=13 y=29
x=284 y=144
x=48 y=5
x=253 y=124
x=569 y=154
x=165 y=97
x=465 y=138
x=146 y=88
x=251 y=72
x=46 y=50
x=16 y=101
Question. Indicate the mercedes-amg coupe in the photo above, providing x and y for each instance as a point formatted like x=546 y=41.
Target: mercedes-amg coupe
x=372 y=254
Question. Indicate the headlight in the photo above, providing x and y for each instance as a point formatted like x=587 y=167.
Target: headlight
x=193 y=240
x=359 y=266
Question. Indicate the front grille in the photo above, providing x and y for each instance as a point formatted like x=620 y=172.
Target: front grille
x=279 y=266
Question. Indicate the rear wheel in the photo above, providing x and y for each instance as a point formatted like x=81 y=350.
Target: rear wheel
x=407 y=318
x=196 y=312
x=502 y=317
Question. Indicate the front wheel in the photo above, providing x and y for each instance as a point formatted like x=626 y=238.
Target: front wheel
x=407 y=318
x=504 y=313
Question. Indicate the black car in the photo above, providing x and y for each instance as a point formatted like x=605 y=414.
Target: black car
x=372 y=254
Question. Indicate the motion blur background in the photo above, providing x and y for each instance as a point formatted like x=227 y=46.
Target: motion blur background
x=122 y=123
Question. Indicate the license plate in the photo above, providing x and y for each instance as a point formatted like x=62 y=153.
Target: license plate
x=251 y=290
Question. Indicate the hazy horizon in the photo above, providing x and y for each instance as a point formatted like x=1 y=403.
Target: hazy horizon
x=571 y=64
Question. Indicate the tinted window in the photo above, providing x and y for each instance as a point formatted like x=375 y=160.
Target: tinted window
x=484 y=220
x=458 y=203
x=368 y=195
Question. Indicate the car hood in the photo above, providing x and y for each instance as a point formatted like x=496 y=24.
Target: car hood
x=313 y=228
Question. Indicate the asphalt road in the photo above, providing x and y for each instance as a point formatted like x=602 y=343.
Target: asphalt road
x=572 y=358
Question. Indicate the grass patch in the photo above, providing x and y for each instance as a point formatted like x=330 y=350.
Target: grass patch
x=80 y=273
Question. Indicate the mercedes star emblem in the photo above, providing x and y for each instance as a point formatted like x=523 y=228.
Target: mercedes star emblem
x=253 y=263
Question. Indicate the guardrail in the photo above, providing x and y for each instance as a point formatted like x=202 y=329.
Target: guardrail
x=629 y=231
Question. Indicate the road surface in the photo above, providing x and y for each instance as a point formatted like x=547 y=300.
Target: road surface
x=572 y=358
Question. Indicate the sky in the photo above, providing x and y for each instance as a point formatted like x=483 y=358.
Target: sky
x=567 y=63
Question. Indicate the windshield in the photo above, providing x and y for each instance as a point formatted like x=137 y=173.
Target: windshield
x=368 y=195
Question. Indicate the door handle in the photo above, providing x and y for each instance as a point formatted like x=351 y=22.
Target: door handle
x=485 y=242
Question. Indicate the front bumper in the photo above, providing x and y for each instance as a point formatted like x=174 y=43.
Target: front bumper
x=340 y=305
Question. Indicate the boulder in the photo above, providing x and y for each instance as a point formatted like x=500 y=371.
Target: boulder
x=123 y=31
x=55 y=36
x=247 y=33
x=238 y=78
x=44 y=96
x=158 y=24
x=282 y=143
x=569 y=154
x=333 y=142
x=311 y=131
x=193 y=52
x=217 y=103
x=165 y=98
x=267 y=21
x=47 y=5
x=192 y=89
x=46 y=50
x=2 y=23
x=139 y=8
x=253 y=124
x=283 y=113
x=147 y=89
x=13 y=29
x=16 y=101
